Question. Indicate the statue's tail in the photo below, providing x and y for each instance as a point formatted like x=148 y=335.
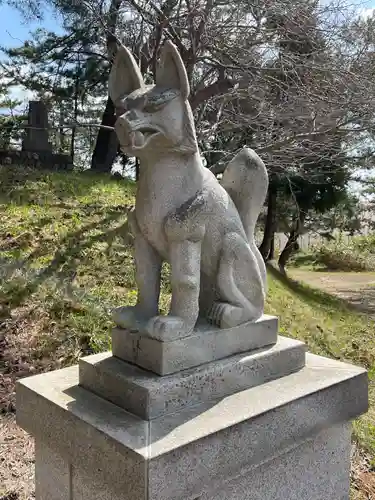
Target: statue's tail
x=246 y=181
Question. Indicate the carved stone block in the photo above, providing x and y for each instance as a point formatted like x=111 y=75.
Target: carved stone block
x=149 y=396
x=207 y=343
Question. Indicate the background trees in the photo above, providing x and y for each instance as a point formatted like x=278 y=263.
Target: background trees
x=292 y=79
x=10 y=120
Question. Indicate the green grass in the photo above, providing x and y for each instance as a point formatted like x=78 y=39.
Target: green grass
x=330 y=328
x=67 y=260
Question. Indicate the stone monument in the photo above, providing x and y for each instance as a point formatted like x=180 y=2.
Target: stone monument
x=37 y=134
x=207 y=402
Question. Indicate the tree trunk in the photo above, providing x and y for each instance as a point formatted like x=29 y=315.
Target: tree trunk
x=271 y=255
x=270 y=225
x=291 y=245
x=73 y=143
x=60 y=136
x=106 y=146
x=75 y=117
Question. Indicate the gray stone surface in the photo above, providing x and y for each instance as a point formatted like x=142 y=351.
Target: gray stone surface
x=88 y=486
x=52 y=474
x=262 y=421
x=183 y=215
x=149 y=396
x=59 y=479
x=323 y=462
x=101 y=440
x=37 y=134
x=206 y=344
x=203 y=448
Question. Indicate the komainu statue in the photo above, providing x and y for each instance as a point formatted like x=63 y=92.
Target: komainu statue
x=203 y=228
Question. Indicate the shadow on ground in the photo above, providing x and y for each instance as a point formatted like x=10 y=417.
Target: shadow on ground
x=355 y=291
x=308 y=293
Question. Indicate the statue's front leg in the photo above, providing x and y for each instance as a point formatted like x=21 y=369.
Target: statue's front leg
x=148 y=269
x=185 y=231
x=185 y=260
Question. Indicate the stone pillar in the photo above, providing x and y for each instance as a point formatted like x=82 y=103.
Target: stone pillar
x=238 y=414
x=37 y=134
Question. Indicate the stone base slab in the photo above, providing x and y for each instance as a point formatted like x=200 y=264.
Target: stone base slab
x=149 y=396
x=287 y=439
x=317 y=468
x=206 y=344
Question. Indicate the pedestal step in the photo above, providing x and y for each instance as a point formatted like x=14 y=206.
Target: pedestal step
x=207 y=343
x=149 y=396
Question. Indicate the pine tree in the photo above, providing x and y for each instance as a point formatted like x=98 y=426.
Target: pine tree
x=68 y=74
x=10 y=120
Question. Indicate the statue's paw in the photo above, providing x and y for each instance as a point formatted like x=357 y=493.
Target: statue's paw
x=225 y=315
x=167 y=328
x=128 y=317
x=215 y=313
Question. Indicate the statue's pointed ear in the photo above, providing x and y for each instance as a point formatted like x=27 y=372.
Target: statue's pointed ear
x=171 y=72
x=125 y=75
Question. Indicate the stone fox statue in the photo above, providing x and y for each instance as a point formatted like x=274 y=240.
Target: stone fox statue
x=183 y=215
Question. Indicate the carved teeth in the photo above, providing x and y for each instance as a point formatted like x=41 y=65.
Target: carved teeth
x=139 y=138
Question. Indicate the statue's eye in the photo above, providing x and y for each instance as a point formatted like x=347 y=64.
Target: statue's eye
x=135 y=102
x=154 y=102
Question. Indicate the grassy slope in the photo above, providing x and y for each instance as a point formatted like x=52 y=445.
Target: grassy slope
x=331 y=329
x=66 y=259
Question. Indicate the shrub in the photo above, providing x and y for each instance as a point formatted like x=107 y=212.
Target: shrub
x=357 y=254
x=344 y=258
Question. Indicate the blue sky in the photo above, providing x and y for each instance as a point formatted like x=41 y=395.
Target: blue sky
x=15 y=30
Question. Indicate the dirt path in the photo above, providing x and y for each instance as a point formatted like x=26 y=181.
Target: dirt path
x=357 y=288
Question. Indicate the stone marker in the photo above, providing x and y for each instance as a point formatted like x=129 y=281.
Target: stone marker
x=37 y=133
x=207 y=403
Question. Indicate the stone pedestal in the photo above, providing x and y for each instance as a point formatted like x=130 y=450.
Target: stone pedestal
x=271 y=423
